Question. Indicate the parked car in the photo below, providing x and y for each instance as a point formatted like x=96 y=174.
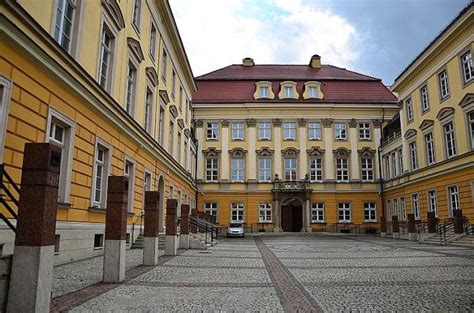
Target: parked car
x=235 y=230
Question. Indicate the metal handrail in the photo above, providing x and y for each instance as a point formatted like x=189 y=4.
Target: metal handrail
x=205 y=227
x=4 y=175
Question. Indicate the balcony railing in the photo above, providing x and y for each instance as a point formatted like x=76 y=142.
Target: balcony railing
x=391 y=137
x=291 y=185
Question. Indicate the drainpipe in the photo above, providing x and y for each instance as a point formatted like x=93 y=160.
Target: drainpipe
x=380 y=165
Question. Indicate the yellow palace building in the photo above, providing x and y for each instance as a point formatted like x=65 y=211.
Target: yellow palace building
x=110 y=83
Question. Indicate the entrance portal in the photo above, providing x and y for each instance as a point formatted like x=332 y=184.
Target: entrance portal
x=292 y=216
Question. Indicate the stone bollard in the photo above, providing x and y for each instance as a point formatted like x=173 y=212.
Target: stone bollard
x=431 y=217
x=193 y=228
x=383 y=227
x=115 y=230
x=395 y=227
x=32 y=265
x=411 y=227
x=152 y=221
x=458 y=222
x=171 y=237
x=184 y=235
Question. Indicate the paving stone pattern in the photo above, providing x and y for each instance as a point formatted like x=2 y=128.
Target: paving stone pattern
x=291 y=273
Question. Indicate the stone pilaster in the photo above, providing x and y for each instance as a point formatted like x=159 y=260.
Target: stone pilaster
x=251 y=155
x=303 y=157
x=225 y=169
x=329 y=157
x=377 y=137
x=277 y=215
x=277 y=166
x=353 y=137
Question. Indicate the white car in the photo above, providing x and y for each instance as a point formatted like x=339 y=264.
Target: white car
x=235 y=230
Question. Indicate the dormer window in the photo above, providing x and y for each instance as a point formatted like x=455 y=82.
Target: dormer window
x=312 y=90
x=288 y=90
x=263 y=90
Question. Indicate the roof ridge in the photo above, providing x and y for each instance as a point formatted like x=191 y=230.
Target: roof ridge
x=345 y=69
x=211 y=72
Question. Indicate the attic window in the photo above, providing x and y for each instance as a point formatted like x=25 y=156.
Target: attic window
x=263 y=90
x=288 y=90
x=312 y=90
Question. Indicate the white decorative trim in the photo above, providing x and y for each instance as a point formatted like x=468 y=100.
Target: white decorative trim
x=4 y=105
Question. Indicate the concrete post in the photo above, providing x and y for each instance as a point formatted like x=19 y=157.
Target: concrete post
x=32 y=265
x=194 y=215
x=431 y=217
x=115 y=230
x=152 y=219
x=458 y=223
x=383 y=227
x=171 y=247
x=308 y=216
x=395 y=227
x=277 y=216
x=184 y=236
x=411 y=227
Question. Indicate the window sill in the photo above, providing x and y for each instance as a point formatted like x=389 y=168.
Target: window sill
x=344 y=222
x=98 y=248
x=289 y=139
x=318 y=222
x=365 y=139
x=370 y=221
x=264 y=139
x=314 y=139
x=96 y=209
x=64 y=205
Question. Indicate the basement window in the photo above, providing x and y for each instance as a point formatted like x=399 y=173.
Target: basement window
x=98 y=241
x=57 y=239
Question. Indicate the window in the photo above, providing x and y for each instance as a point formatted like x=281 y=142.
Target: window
x=342 y=170
x=344 y=210
x=316 y=169
x=264 y=130
x=237 y=212
x=57 y=241
x=432 y=202
x=290 y=165
x=265 y=213
x=393 y=166
x=340 y=131
x=238 y=169
x=211 y=208
x=212 y=131
x=212 y=171
x=264 y=169
x=409 y=108
x=467 y=68
x=314 y=131
x=5 y=91
x=237 y=130
x=61 y=134
x=65 y=21
x=425 y=101
x=413 y=155
x=153 y=40
x=289 y=131
x=171 y=192
x=148 y=109
x=173 y=83
x=400 y=161
x=164 y=65
x=387 y=166
x=449 y=139
x=129 y=172
x=370 y=212
x=100 y=176
x=106 y=54
x=264 y=92
x=131 y=85
x=161 y=131
x=317 y=212
x=415 y=205
x=471 y=128
x=98 y=240
x=443 y=84
x=367 y=169
x=288 y=92
x=312 y=92
x=430 y=152
x=403 y=209
x=180 y=98
x=453 y=198
x=364 y=131
x=178 y=158
x=137 y=14
x=147 y=182
x=171 y=138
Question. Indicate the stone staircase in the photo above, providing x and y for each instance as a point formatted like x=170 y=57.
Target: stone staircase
x=464 y=241
x=196 y=241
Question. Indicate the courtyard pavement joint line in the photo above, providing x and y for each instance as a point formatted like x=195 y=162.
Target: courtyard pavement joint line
x=293 y=296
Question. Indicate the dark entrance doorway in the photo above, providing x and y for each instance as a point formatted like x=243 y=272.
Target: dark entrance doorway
x=292 y=216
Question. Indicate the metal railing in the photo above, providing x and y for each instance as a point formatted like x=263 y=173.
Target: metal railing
x=392 y=137
x=206 y=228
x=7 y=196
x=443 y=228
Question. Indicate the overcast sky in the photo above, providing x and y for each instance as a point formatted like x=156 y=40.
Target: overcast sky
x=375 y=37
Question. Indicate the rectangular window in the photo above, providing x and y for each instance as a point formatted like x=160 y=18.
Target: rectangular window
x=340 y=131
x=453 y=199
x=212 y=169
x=153 y=40
x=413 y=155
x=173 y=83
x=263 y=92
x=370 y=209
x=212 y=131
x=425 y=101
x=161 y=132
x=98 y=240
x=432 y=202
x=186 y=165
x=57 y=241
x=264 y=130
x=387 y=166
x=409 y=107
x=400 y=161
x=171 y=138
x=449 y=140
x=238 y=170
x=131 y=85
x=211 y=208
x=106 y=54
x=314 y=131
x=65 y=19
x=312 y=92
x=443 y=84
x=471 y=127
x=171 y=192
x=393 y=166
x=129 y=172
x=344 y=209
x=164 y=65
x=317 y=212
x=288 y=92
x=316 y=169
x=364 y=131
x=100 y=176
x=290 y=166
x=180 y=99
x=237 y=212
x=178 y=158
x=289 y=131
x=367 y=169
x=342 y=170
x=265 y=213
x=430 y=152
x=264 y=169
x=147 y=181
x=415 y=205
x=137 y=14
x=403 y=209
x=237 y=130
x=5 y=93
x=467 y=68
x=148 y=109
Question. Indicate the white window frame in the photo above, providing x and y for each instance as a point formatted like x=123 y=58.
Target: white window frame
x=164 y=64
x=137 y=15
x=400 y=160
x=237 y=169
x=371 y=209
x=289 y=131
x=65 y=175
x=265 y=172
x=106 y=166
x=266 y=209
x=344 y=207
x=264 y=92
x=264 y=130
x=316 y=169
x=107 y=28
x=5 y=96
x=317 y=212
x=148 y=119
x=153 y=40
x=211 y=208
x=212 y=131
x=470 y=126
x=131 y=182
x=424 y=97
x=449 y=139
x=413 y=155
x=365 y=132
x=432 y=201
x=212 y=172
x=430 y=148
x=314 y=131
x=340 y=131
x=415 y=205
x=161 y=125
x=342 y=170
x=312 y=92
x=131 y=82
x=171 y=132
x=409 y=108
x=238 y=130
x=367 y=172
x=467 y=68
x=58 y=24
x=239 y=209
x=393 y=164
x=403 y=208
x=453 y=199
x=288 y=168
x=287 y=92
x=443 y=82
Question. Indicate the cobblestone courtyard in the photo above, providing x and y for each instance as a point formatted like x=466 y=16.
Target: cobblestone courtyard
x=281 y=273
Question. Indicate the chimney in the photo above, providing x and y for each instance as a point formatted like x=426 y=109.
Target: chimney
x=248 y=62
x=315 y=61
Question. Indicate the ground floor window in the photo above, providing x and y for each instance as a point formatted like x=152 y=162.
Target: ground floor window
x=237 y=212
x=344 y=209
x=211 y=208
x=432 y=202
x=317 y=212
x=403 y=210
x=370 y=212
x=453 y=198
x=265 y=213
x=415 y=205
